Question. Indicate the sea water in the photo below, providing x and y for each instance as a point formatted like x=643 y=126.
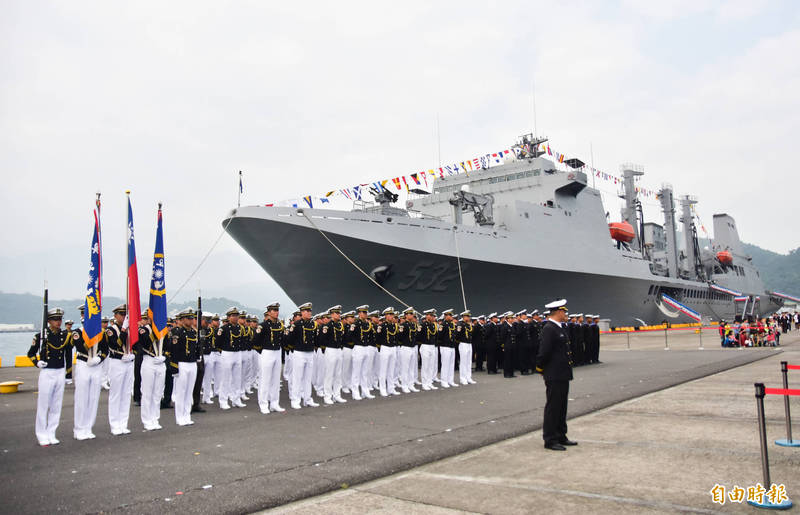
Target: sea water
x=14 y=344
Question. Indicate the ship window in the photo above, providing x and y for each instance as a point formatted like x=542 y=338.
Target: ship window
x=536 y=173
x=527 y=215
x=520 y=175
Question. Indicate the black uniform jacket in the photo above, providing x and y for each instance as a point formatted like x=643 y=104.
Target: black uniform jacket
x=555 y=358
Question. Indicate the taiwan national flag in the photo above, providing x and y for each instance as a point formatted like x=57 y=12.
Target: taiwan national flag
x=134 y=308
x=92 y=314
x=158 y=289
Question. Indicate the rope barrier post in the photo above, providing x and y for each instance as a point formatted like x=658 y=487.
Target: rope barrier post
x=762 y=433
x=629 y=339
x=700 y=332
x=788 y=442
x=666 y=339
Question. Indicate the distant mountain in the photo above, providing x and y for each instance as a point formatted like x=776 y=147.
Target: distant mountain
x=780 y=272
x=24 y=308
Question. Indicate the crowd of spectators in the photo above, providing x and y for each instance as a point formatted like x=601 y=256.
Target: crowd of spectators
x=757 y=332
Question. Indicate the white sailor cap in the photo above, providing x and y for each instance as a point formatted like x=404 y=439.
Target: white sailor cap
x=335 y=309
x=545 y=313
x=557 y=304
x=507 y=314
x=596 y=316
x=466 y=313
x=533 y=313
x=448 y=312
x=232 y=311
x=273 y=306
x=409 y=311
x=430 y=312
x=55 y=313
x=364 y=308
x=349 y=314
x=493 y=314
x=521 y=313
x=388 y=311
x=375 y=313
x=68 y=322
x=482 y=317
x=304 y=307
x=121 y=309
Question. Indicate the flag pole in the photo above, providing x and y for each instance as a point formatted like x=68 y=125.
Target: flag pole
x=127 y=273
x=239 y=201
x=99 y=255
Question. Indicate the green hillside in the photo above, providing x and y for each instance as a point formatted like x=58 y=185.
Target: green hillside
x=780 y=272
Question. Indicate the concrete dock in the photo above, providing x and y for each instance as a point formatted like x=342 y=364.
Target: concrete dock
x=653 y=453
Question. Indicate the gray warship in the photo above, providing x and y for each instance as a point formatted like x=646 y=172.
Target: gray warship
x=510 y=237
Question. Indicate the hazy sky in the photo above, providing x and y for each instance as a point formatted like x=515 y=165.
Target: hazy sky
x=171 y=99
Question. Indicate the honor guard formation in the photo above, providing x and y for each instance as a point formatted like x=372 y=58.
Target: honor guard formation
x=360 y=353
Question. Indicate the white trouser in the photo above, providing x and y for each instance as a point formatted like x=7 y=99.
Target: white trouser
x=387 y=358
x=428 y=354
x=465 y=362
x=302 y=370
x=269 y=383
x=182 y=391
x=87 y=396
x=448 y=364
x=318 y=379
x=333 y=373
x=347 y=366
x=152 y=388
x=211 y=374
x=376 y=367
x=415 y=363
x=119 y=395
x=48 y=403
x=396 y=373
x=407 y=373
x=230 y=370
x=358 y=366
x=106 y=364
x=287 y=367
x=244 y=384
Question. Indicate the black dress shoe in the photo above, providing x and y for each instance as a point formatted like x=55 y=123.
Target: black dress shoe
x=526 y=373
x=137 y=403
x=509 y=377
x=555 y=447
x=198 y=409
x=567 y=442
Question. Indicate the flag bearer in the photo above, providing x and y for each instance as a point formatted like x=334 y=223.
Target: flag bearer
x=120 y=372
x=153 y=373
x=88 y=376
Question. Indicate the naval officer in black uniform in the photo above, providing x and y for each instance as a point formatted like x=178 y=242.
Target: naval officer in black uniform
x=554 y=362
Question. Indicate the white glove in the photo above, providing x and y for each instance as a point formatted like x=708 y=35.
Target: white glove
x=41 y=364
x=161 y=359
x=128 y=358
x=93 y=362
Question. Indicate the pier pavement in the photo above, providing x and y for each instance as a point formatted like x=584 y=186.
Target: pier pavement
x=240 y=461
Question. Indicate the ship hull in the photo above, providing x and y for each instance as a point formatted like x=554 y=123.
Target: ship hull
x=309 y=268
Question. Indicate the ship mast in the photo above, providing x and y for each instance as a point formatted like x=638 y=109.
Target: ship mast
x=668 y=206
x=629 y=211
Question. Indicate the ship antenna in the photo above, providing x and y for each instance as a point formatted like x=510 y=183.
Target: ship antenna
x=438 y=142
x=533 y=93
